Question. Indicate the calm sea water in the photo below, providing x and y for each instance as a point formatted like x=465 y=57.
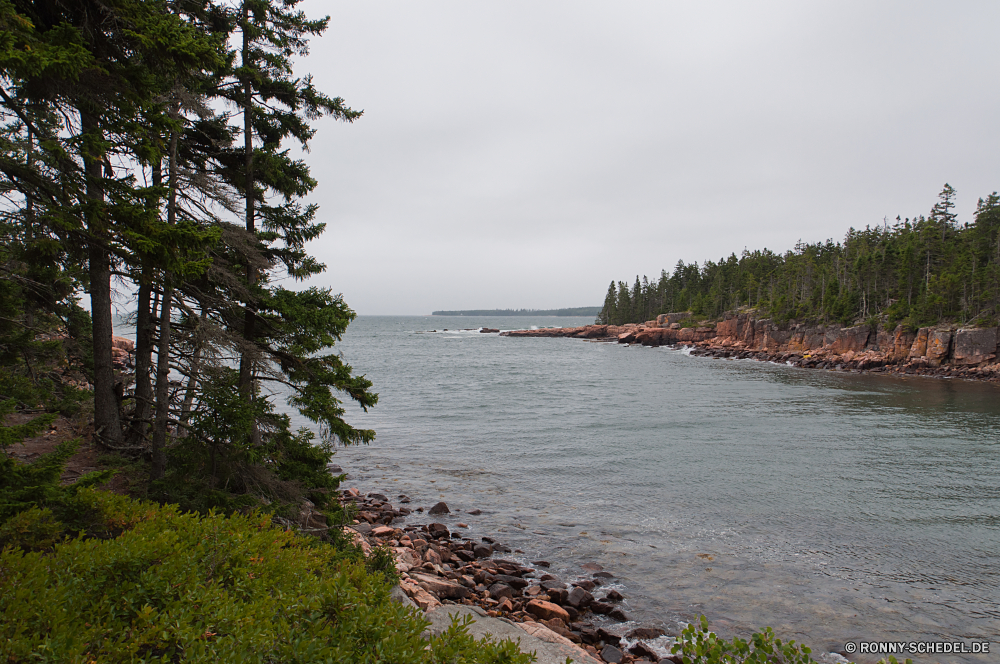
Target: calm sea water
x=833 y=507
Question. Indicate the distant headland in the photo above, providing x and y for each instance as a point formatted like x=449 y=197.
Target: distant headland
x=576 y=311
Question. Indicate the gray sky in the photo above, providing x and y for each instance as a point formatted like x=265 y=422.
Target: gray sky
x=524 y=154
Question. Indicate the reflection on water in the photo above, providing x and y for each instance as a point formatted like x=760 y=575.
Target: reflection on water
x=829 y=506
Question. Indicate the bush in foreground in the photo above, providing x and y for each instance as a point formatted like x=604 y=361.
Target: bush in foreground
x=698 y=645
x=183 y=587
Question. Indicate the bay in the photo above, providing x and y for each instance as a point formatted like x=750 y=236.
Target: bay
x=833 y=507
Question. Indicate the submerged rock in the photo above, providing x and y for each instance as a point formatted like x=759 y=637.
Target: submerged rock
x=439 y=508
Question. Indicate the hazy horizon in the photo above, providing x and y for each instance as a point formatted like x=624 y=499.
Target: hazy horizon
x=526 y=154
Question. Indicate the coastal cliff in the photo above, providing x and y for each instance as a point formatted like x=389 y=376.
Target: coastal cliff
x=940 y=350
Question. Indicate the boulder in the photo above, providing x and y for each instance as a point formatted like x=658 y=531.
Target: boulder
x=547 y=610
x=559 y=595
x=439 y=508
x=654 y=336
x=408 y=556
x=482 y=550
x=559 y=627
x=586 y=584
x=438 y=530
x=642 y=650
x=441 y=587
x=515 y=582
x=618 y=614
x=499 y=591
x=475 y=512
x=645 y=633
x=612 y=655
x=608 y=637
x=602 y=608
x=579 y=598
x=614 y=596
x=552 y=584
x=382 y=531
x=592 y=332
x=973 y=346
x=421 y=597
x=626 y=337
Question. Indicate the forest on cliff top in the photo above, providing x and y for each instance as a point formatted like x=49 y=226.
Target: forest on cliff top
x=918 y=272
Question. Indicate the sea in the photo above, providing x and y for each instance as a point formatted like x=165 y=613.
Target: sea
x=836 y=508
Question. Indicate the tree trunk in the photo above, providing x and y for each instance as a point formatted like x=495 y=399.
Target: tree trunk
x=159 y=465
x=145 y=321
x=107 y=422
x=248 y=357
x=143 y=361
x=250 y=316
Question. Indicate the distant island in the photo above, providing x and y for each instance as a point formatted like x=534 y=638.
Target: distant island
x=576 y=311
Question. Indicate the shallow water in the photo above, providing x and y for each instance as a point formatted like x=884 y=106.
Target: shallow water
x=833 y=507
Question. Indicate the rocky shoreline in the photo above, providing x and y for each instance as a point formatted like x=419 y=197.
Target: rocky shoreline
x=439 y=567
x=943 y=351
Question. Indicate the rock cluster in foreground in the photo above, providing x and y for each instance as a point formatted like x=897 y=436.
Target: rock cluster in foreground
x=438 y=566
x=936 y=351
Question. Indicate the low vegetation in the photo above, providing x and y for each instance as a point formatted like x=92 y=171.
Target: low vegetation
x=92 y=576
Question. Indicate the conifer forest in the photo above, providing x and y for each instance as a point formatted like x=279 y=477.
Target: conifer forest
x=146 y=166
x=915 y=271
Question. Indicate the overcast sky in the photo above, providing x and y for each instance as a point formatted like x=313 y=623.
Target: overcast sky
x=524 y=154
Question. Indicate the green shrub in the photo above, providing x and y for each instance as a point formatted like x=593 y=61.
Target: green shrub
x=55 y=510
x=697 y=645
x=179 y=587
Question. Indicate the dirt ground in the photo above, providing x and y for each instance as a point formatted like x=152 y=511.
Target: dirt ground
x=88 y=456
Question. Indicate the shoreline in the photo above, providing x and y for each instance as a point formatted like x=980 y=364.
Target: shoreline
x=445 y=569
x=441 y=566
x=939 y=352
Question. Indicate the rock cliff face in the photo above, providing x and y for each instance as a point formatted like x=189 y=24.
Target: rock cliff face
x=970 y=352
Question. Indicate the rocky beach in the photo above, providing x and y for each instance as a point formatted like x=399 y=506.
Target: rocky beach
x=440 y=566
x=944 y=351
x=447 y=574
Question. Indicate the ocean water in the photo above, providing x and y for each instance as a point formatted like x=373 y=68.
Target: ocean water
x=832 y=507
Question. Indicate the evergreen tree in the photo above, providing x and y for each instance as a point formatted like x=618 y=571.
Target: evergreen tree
x=918 y=271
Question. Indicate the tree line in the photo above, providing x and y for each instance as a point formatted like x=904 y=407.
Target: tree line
x=918 y=272
x=146 y=152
